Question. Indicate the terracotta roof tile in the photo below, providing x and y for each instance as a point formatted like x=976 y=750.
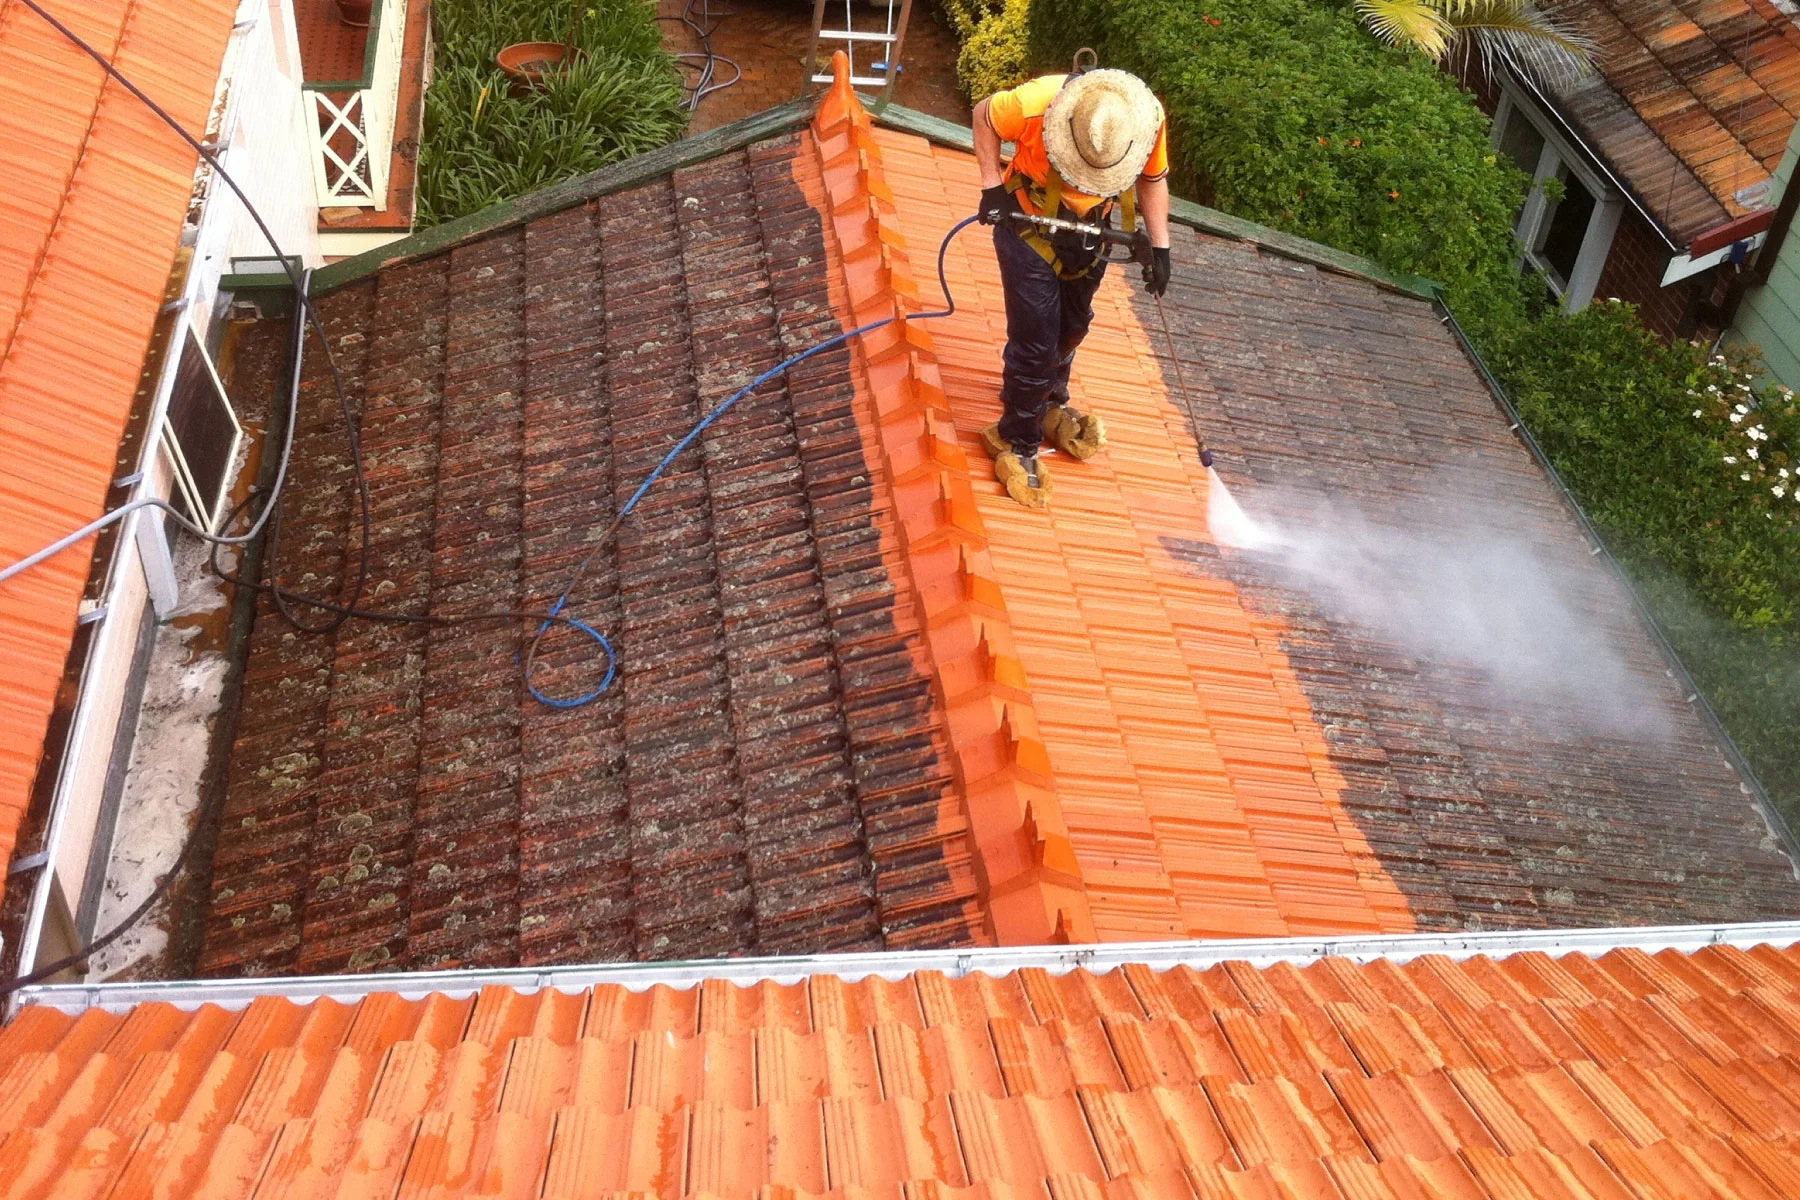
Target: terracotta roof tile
x=1694 y=100
x=866 y=701
x=85 y=161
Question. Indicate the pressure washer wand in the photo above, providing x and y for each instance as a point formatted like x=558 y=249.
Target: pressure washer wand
x=1187 y=402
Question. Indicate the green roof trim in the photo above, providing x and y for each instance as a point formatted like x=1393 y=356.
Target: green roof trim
x=1197 y=216
x=634 y=172
x=619 y=177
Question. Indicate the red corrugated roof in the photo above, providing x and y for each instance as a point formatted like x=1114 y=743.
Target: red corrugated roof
x=1654 y=1076
x=96 y=190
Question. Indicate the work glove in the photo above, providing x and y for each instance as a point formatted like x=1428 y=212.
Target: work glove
x=993 y=204
x=1157 y=271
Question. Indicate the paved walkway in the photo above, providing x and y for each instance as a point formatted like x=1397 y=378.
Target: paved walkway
x=768 y=39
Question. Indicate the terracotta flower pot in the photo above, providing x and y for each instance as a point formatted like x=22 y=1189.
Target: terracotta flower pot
x=355 y=12
x=526 y=63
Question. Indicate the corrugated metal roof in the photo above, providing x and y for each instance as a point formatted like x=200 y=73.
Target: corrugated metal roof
x=96 y=190
x=1654 y=1076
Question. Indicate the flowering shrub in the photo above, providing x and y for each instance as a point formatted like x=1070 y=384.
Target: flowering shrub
x=1678 y=457
x=1688 y=465
x=1758 y=428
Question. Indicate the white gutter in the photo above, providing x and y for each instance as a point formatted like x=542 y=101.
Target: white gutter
x=1684 y=265
x=1258 y=952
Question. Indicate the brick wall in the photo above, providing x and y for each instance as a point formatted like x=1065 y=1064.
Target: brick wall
x=1634 y=271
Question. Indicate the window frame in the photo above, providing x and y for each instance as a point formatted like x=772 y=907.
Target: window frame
x=1558 y=154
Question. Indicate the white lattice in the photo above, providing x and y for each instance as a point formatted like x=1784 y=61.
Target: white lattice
x=353 y=132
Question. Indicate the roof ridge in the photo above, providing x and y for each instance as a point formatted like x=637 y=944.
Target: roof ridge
x=1023 y=857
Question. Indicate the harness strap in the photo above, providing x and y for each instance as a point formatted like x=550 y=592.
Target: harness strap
x=1048 y=201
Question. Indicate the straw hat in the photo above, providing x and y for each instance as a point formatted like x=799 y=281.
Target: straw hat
x=1100 y=129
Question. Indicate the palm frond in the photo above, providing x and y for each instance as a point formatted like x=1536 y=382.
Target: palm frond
x=1494 y=29
x=1410 y=24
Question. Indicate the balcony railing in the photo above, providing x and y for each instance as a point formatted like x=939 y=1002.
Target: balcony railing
x=352 y=121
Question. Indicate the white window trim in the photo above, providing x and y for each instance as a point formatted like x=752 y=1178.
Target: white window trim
x=1596 y=241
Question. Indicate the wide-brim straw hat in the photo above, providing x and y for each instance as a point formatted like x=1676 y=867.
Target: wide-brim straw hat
x=1100 y=129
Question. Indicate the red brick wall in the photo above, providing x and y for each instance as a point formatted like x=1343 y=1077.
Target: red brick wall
x=1634 y=271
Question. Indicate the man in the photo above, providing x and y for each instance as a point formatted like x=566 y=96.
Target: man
x=1085 y=145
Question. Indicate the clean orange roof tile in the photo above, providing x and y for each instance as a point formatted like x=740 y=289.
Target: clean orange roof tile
x=1136 y=755
x=97 y=189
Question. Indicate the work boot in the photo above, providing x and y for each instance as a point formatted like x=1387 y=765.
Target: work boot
x=1024 y=476
x=1077 y=434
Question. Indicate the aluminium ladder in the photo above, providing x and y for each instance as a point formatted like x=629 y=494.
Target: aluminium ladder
x=891 y=38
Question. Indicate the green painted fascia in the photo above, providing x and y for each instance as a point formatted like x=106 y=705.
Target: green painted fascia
x=1196 y=216
x=620 y=176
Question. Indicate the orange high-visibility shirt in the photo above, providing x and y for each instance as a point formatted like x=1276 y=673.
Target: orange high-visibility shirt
x=1018 y=117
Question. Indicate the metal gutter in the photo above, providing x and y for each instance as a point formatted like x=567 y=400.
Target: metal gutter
x=1747 y=777
x=1160 y=956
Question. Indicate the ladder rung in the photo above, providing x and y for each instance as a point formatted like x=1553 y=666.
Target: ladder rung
x=856 y=35
x=855 y=80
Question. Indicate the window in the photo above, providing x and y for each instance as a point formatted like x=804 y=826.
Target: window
x=1566 y=224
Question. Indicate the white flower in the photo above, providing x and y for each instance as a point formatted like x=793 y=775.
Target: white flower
x=1751 y=452
x=1784 y=473
x=1745 y=477
x=1741 y=408
x=1736 y=417
x=1779 y=491
x=1697 y=412
x=1731 y=460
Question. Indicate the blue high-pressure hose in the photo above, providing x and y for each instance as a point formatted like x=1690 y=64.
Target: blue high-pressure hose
x=612 y=660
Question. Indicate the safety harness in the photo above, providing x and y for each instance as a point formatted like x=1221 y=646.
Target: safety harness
x=1047 y=200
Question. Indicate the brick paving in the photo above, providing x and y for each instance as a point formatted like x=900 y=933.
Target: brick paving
x=1310 y=386
x=768 y=39
x=767 y=773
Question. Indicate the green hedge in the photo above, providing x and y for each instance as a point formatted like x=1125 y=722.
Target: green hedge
x=993 y=38
x=1288 y=113
x=1688 y=466
x=482 y=145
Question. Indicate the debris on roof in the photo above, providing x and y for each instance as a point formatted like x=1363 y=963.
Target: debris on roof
x=1692 y=104
x=1629 y=1074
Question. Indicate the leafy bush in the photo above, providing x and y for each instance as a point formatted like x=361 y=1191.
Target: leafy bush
x=1689 y=467
x=1680 y=459
x=1288 y=113
x=993 y=38
x=481 y=145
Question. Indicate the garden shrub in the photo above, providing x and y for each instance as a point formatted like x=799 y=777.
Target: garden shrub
x=992 y=34
x=481 y=145
x=1688 y=464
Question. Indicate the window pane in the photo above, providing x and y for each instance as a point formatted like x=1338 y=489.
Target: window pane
x=1521 y=142
x=1564 y=228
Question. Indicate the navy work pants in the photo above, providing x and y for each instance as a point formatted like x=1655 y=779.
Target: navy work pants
x=1046 y=318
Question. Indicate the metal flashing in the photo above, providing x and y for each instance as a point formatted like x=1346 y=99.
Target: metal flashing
x=895 y=964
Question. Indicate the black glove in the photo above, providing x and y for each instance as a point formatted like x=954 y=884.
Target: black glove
x=1157 y=270
x=993 y=204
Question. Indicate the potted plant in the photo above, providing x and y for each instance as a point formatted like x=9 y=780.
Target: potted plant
x=526 y=63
